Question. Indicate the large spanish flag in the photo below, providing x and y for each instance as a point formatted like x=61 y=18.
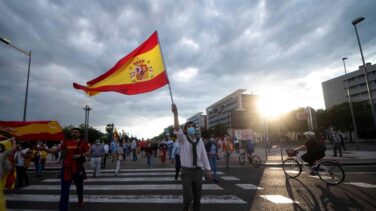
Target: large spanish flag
x=34 y=130
x=141 y=71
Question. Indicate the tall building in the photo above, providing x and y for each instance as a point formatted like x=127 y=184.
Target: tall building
x=200 y=121
x=335 y=91
x=230 y=110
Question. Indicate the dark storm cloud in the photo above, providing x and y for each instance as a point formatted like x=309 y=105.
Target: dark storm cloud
x=211 y=48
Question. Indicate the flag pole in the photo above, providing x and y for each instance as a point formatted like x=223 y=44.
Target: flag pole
x=169 y=86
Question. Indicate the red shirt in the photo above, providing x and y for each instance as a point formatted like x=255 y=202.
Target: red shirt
x=70 y=148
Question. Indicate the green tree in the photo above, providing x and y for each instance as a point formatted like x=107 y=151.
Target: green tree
x=339 y=117
x=93 y=134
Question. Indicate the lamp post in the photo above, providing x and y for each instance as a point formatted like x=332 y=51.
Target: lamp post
x=351 y=108
x=354 y=22
x=87 y=110
x=8 y=42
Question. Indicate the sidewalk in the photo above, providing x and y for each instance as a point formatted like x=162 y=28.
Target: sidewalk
x=365 y=156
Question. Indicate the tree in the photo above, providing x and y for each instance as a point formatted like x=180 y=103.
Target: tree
x=339 y=117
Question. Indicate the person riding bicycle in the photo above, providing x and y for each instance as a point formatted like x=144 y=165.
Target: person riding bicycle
x=315 y=150
x=250 y=148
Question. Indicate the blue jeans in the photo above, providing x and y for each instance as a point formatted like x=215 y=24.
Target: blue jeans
x=65 y=187
x=213 y=165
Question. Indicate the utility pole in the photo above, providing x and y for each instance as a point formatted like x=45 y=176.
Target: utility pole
x=87 y=110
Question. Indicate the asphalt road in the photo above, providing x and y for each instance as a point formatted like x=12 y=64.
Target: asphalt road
x=240 y=188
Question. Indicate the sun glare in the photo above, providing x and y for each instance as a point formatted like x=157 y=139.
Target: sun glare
x=273 y=104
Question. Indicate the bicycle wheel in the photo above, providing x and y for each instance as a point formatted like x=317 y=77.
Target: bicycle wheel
x=331 y=172
x=256 y=161
x=291 y=167
x=242 y=159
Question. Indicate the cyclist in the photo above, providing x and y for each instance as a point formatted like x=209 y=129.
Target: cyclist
x=315 y=150
x=250 y=149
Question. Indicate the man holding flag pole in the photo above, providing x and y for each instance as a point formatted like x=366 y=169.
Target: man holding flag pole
x=143 y=70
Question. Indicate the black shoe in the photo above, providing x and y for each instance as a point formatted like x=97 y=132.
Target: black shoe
x=313 y=173
x=216 y=181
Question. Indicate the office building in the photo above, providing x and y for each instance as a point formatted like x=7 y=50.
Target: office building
x=233 y=111
x=335 y=91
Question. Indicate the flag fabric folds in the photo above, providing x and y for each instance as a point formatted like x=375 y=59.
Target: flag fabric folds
x=116 y=135
x=9 y=175
x=34 y=130
x=141 y=71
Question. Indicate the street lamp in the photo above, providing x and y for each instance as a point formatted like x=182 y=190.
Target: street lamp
x=8 y=42
x=87 y=110
x=354 y=22
x=350 y=103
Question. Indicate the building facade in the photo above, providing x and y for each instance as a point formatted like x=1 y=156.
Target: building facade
x=200 y=121
x=335 y=90
x=223 y=111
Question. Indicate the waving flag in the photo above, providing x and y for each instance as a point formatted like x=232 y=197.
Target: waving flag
x=34 y=130
x=141 y=71
x=9 y=177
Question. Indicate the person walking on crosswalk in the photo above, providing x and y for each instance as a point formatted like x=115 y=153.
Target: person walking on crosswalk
x=97 y=152
x=119 y=155
x=75 y=151
x=148 y=153
x=193 y=161
x=176 y=156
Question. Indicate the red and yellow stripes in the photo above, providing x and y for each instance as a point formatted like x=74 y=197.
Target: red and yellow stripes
x=34 y=130
x=141 y=71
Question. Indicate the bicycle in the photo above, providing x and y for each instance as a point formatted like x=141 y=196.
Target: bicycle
x=255 y=160
x=329 y=171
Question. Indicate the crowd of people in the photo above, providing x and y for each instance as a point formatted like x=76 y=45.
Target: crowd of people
x=193 y=156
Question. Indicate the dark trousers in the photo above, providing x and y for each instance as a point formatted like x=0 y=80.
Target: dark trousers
x=148 y=157
x=310 y=158
x=134 y=153
x=192 y=185
x=22 y=176
x=65 y=187
x=163 y=157
x=177 y=166
x=103 y=164
x=335 y=147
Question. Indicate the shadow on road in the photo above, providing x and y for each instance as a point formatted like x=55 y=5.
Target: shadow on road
x=304 y=194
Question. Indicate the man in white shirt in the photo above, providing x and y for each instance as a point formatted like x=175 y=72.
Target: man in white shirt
x=193 y=160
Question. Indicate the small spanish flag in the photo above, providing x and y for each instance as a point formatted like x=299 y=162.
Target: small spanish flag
x=141 y=71
x=34 y=130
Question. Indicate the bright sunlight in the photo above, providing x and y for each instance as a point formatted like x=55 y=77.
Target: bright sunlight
x=273 y=104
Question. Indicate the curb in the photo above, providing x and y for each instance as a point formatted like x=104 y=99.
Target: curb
x=343 y=164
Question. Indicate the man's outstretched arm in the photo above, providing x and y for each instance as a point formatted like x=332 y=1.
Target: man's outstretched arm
x=176 y=119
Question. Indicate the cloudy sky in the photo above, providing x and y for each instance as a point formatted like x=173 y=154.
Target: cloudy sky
x=276 y=49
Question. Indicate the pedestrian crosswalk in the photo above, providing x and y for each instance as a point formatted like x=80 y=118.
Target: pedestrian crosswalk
x=130 y=186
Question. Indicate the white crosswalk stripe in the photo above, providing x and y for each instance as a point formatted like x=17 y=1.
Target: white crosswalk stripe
x=158 y=182
x=123 y=187
x=279 y=199
x=160 y=199
x=119 y=179
x=361 y=184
